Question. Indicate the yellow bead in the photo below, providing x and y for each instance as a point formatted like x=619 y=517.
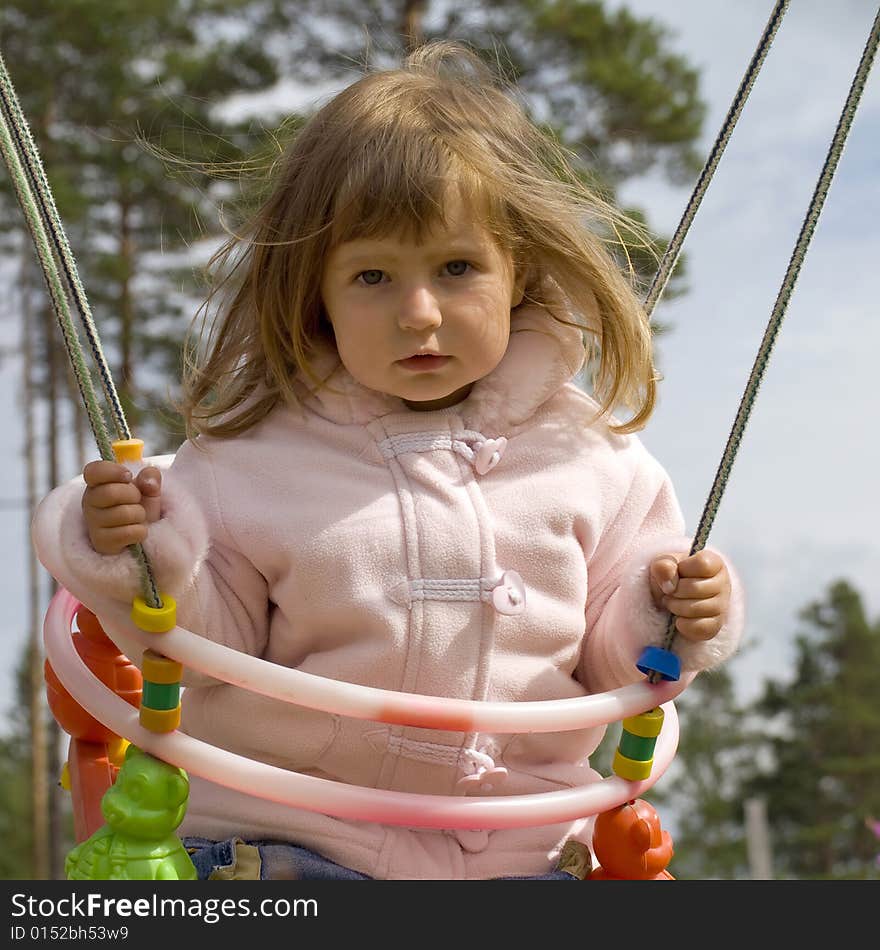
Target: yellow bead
x=630 y=769
x=159 y=720
x=128 y=450
x=155 y=619
x=647 y=724
x=160 y=669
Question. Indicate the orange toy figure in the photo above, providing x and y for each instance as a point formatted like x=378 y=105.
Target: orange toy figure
x=630 y=845
x=95 y=752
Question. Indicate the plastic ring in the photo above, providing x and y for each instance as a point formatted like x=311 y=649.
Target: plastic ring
x=282 y=787
x=155 y=619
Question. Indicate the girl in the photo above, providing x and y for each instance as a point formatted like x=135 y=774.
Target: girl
x=393 y=479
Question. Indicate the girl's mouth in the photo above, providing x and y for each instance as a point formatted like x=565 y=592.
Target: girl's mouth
x=422 y=363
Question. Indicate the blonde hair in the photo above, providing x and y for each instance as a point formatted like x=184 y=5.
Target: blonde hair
x=380 y=156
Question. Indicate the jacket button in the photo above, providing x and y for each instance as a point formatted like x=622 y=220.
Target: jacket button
x=483 y=782
x=509 y=597
x=488 y=454
x=472 y=840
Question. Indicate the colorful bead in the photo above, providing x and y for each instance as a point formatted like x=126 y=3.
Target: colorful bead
x=155 y=619
x=635 y=751
x=662 y=662
x=128 y=450
x=160 y=702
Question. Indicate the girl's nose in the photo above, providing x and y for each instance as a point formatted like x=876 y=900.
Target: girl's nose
x=419 y=309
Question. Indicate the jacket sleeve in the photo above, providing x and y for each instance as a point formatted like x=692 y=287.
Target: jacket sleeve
x=220 y=595
x=621 y=618
x=228 y=598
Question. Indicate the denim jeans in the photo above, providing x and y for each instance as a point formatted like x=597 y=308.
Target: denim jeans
x=279 y=860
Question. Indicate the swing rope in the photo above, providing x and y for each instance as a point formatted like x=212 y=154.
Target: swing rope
x=41 y=215
x=817 y=202
x=673 y=250
x=50 y=272
x=27 y=151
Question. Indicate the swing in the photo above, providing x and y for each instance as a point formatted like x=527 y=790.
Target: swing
x=123 y=721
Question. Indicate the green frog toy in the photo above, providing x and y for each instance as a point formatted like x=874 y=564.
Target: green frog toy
x=142 y=809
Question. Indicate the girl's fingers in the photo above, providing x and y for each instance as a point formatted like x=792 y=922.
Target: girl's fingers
x=118 y=505
x=701 y=594
x=104 y=473
x=149 y=481
x=697 y=588
x=709 y=607
x=703 y=628
x=109 y=495
x=116 y=540
x=702 y=564
x=664 y=573
x=118 y=516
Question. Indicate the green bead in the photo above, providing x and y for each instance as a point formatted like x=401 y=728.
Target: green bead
x=160 y=695
x=640 y=748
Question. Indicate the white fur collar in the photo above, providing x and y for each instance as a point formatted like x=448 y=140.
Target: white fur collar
x=542 y=355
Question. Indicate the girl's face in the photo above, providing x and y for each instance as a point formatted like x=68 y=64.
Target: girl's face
x=422 y=321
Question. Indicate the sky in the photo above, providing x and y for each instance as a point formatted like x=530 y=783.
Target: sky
x=800 y=509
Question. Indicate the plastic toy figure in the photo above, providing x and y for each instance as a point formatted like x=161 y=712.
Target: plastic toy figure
x=142 y=809
x=630 y=845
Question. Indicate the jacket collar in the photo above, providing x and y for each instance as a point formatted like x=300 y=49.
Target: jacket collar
x=542 y=355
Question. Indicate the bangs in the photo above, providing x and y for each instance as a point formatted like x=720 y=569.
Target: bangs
x=406 y=188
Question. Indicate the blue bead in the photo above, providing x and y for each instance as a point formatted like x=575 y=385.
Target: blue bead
x=658 y=660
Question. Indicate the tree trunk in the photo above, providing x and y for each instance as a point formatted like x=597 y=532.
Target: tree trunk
x=38 y=725
x=126 y=309
x=53 y=731
x=411 y=24
x=78 y=421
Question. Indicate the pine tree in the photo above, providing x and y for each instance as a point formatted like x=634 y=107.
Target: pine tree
x=701 y=791
x=95 y=80
x=604 y=82
x=17 y=858
x=822 y=785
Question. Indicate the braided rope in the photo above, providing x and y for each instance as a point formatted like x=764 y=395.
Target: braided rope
x=29 y=154
x=53 y=281
x=20 y=152
x=673 y=250
x=817 y=202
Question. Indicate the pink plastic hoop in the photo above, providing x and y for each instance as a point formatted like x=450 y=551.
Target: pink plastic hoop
x=352 y=801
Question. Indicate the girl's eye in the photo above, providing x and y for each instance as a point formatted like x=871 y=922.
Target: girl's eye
x=457 y=268
x=370 y=277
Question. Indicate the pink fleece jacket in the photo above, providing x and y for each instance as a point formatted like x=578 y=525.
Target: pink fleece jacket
x=361 y=541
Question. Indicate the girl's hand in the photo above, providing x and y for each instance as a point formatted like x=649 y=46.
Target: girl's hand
x=117 y=506
x=695 y=589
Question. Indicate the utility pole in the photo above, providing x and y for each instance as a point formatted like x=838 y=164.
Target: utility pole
x=758 y=840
